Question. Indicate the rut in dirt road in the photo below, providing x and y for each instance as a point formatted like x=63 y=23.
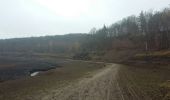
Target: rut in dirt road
x=101 y=86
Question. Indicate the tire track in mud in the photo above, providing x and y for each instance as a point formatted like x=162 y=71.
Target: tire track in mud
x=130 y=90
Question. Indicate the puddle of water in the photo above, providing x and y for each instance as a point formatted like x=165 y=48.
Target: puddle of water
x=34 y=74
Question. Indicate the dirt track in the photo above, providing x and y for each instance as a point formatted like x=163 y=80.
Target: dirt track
x=101 y=85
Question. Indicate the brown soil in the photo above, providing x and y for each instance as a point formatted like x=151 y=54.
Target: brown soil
x=99 y=86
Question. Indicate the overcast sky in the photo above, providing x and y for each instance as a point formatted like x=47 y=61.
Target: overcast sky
x=26 y=18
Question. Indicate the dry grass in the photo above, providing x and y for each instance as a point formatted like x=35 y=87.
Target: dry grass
x=113 y=55
x=154 y=54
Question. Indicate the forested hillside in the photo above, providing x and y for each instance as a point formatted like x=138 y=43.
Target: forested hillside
x=48 y=44
x=150 y=30
x=147 y=31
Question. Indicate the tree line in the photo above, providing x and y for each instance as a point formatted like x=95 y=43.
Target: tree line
x=48 y=44
x=149 y=30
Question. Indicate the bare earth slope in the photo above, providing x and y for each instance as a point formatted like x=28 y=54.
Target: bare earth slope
x=101 y=85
